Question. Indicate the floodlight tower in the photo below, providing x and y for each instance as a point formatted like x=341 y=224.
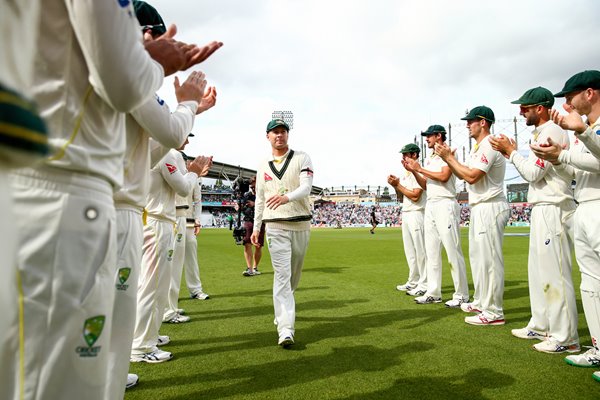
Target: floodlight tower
x=287 y=116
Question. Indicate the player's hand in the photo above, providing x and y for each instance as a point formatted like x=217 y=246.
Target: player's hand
x=208 y=100
x=442 y=150
x=393 y=180
x=196 y=230
x=502 y=144
x=572 y=121
x=275 y=201
x=254 y=238
x=549 y=152
x=411 y=165
x=192 y=89
x=166 y=50
x=201 y=165
x=196 y=55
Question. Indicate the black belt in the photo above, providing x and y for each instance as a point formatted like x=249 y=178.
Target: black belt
x=181 y=207
x=190 y=220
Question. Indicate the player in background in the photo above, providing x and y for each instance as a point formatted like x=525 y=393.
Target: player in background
x=489 y=215
x=442 y=218
x=413 y=215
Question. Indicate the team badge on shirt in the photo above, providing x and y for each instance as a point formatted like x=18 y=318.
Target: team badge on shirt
x=484 y=159
x=268 y=177
x=172 y=169
x=123 y=277
x=540 y=163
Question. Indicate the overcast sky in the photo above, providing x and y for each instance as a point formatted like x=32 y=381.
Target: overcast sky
x=363 y=78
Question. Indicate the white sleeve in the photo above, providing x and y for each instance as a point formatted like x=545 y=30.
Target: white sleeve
x=583 y=161
x=306 y=180
x=169 y=129
x=197 y=199
x=157 y=152
x=259 y=203
x=121 y=70
x=532 y=169
x=181 y=183
x=591 y=139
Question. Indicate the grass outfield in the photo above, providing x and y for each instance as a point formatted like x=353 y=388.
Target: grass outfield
x=357 y=337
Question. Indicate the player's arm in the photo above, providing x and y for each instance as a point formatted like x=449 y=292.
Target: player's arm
x=412 y=194
x=259 y=206
x=181 y=181
x=591 y=140
x=411 y=166
x=121 y=71
x=469 y=175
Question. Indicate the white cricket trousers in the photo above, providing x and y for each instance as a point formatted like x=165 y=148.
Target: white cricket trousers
x=130 y=231
x=191 y=267
x=587 y=252
x=9 y=295
x=153 y=286
x=413 y=239
x=176 y=269
x=287 y=249
x=66 y=261
x=486 y=235
x=551 y=292
x=442 y=219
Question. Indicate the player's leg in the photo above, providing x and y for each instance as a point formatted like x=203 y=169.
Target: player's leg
x=280 y=247
x=176 y=270
x=129 y=255
x=190 y=264
x=477 y=228
x=433 y=254
x=66 y=273
x=9 y=295
x=410 y=251
x=447 y=218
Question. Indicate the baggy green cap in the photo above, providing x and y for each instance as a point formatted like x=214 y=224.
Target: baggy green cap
x=410 y=148
x=148 y=16
x=480 y=112
x=584 y=80
x=434 y=129
x=538 y=96
x=277 y=122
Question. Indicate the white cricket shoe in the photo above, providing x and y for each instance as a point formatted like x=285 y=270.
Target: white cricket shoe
x=153 y=357
x=455 y=303
x=178 y=319
x=405 y=287
x=132 y=380
x=589 y=359
x=163 y=339
x=483 y=321
x=415 y=292
x=286 y=341
x=468 y=307
x=553 y=347
x=200 y=296
x=428 y=299
x=525 y=333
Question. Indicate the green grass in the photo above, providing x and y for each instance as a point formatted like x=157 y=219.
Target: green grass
x=357 y=337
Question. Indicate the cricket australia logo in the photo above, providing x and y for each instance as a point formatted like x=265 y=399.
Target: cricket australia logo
x=170 y=255
x=122 y=277
x=179 y=237
x=92 y=329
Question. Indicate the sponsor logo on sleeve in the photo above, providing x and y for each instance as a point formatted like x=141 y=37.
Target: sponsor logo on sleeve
x=540 y=163
x=172 y=168
x=484 y=159
x=123 y=3
x=160 y=101
x=268 y=177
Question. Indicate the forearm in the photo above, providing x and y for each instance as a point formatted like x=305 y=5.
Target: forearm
x=527 y=168
x=303 y=190
x=583 y=161
x=168 y=129
x=591 y=140
x=412 y=194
